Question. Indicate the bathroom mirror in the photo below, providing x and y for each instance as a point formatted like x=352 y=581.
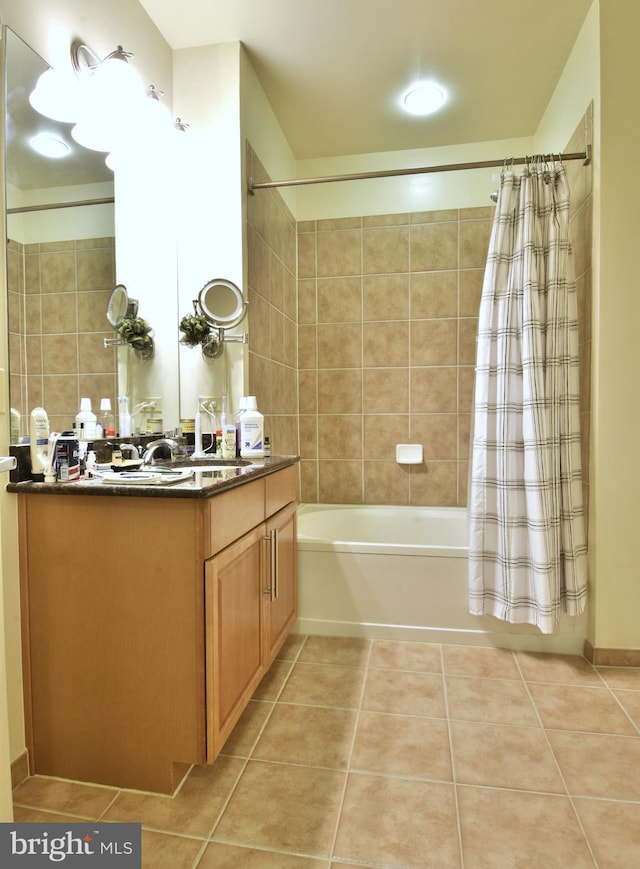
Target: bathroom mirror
x=222 y=303
x=60 y=258
x=121 y=306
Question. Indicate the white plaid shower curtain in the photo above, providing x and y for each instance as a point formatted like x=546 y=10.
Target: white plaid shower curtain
x=527 y=548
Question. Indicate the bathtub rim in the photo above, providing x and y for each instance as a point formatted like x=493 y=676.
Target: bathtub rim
x=430 y=550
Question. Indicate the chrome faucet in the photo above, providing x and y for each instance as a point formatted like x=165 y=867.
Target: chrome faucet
x=163 y=446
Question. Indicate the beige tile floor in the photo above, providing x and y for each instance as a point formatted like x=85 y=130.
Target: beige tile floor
x=357 y=753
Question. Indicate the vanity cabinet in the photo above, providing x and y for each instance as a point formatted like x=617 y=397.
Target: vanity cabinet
x=148 y=624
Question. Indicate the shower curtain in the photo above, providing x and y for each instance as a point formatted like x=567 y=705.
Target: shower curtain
x=527 y=547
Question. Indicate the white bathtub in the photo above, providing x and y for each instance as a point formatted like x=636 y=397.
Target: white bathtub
x=400 y=573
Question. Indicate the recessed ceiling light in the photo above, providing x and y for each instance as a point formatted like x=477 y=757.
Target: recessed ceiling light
x=50 y=146
x=423 y=98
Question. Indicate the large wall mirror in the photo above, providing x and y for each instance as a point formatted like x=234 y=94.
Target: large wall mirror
x=60 y=259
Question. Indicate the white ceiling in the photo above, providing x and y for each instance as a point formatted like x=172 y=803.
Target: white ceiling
x=333 y=69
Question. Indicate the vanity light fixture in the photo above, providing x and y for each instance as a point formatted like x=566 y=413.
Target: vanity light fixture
x=423 y=98
x=49 y=146
x=104 y=99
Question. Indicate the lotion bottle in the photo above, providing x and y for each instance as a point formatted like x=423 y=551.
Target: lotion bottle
x=252 y=431
x=38 y=439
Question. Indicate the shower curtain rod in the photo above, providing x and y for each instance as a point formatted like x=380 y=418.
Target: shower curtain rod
x=108 y=200
x=585 y=156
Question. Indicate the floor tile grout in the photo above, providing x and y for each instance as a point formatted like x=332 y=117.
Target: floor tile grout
x=366 y=706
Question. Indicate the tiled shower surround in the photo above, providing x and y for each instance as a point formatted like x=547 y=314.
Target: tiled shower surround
x=387 y=312
x=58 y=294
x=386 y=317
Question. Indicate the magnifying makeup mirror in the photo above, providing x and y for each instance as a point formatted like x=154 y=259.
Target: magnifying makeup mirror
x=222 y=303
x=121 y=306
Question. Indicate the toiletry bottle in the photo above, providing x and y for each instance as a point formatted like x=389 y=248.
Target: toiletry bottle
x=228 y=433
x=242 y=406
x=124 y=417
x=86 y=416
x=15 y=427
x=198 y=451
x=252 y=431
x=106 y=418
x=267 y=448
x=38 y=440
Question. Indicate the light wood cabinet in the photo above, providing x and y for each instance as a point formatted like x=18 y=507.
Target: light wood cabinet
x=147 y=625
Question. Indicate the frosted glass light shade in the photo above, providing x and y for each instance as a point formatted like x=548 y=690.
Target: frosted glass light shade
x=56 y=96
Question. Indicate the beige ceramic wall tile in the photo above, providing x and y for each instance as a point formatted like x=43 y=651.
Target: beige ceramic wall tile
x=339 y=345
x=434 y=342
x=470 y=291
x=340 y=437
x=340 y=391
x=438 y=433
x=340 y=482
x=339 y=252
x=58 y=272
x=434 y=294
x=474 y=243
x=386 y=390
x=382 y=433
x=385 y=297
x=386 y=250
x=307 y=301
x=434 y=390
x=386 y=344
x=385 y=482
x=340 y=300
x=434 y=483
x=434 y=246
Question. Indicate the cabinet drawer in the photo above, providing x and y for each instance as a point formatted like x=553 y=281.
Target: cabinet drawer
x=231 y=514
x=281 y=488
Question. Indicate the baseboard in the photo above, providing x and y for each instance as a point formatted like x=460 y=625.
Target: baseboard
x=20 y=769
x=611 y=657
x=570 y=644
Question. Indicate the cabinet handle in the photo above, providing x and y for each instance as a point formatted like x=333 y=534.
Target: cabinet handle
x=272 y=539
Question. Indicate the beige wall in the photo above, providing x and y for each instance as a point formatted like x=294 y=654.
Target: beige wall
x=615 y=570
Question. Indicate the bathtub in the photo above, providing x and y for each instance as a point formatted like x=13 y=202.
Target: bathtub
x=401 y=573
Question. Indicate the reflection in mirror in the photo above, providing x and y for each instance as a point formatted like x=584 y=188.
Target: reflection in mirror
x=60 y=259
x=120 y=306
x=222 y=303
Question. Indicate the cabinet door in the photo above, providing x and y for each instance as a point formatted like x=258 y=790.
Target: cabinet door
x=234 y=643
x=281 y=599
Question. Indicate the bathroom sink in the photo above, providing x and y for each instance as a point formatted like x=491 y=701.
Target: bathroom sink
x=202 y=465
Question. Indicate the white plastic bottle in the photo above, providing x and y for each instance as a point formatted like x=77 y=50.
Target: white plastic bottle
x=252 y=431
x=38 y=439
x=86 y=420
x=124 y=417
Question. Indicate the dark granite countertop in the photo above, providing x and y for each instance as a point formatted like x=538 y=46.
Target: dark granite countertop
x=203 y=484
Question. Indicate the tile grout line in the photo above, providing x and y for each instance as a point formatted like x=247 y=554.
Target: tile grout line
x=347 y=771
x=557 y=764
x=231 y=793
x=451 y=756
